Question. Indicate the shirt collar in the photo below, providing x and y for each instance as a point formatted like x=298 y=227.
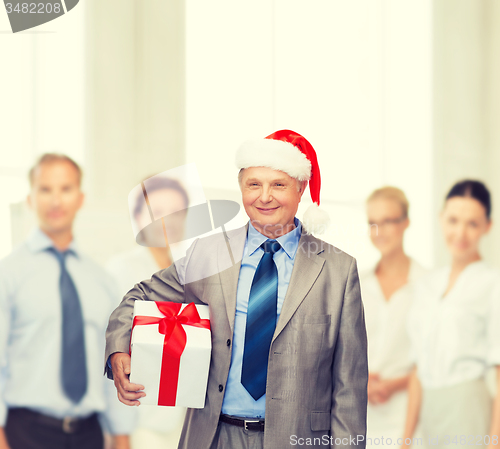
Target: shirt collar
x=289 y=242
x=39 y=241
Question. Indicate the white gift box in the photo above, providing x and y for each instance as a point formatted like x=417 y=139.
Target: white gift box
x=147 y=350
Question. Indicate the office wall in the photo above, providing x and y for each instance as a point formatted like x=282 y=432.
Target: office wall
x=132 y=114
x=355 y=78
x=466 y=112
x=401 y=92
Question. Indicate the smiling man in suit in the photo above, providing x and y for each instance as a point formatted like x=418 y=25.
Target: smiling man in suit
x=289 y=350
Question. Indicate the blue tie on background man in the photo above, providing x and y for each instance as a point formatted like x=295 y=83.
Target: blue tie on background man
x=73 y=358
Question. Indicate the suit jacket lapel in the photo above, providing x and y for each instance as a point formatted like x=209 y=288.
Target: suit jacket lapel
x=306 y=269
x=229 y=277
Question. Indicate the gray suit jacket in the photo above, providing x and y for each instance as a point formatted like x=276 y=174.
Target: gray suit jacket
x=318 y=371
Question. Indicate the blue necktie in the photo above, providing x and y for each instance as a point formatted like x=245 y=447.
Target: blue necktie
x=73 y=359
x=261 y=322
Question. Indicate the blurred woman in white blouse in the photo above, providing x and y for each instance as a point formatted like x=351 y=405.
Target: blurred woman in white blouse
x=454 y=328
x=387 y=296
x=158 y=427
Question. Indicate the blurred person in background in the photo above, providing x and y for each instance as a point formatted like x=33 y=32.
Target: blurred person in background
x=54 y=308
x=455 y=333
x=158 y=427
x=387 y=296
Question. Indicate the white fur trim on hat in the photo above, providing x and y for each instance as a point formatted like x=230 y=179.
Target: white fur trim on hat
x=315 y=220
x=275 y=154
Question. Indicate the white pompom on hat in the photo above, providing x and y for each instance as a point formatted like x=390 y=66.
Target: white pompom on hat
x=291 y=153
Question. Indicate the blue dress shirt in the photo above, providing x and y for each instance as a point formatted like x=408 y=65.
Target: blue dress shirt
x=30 y=334
x=237 y=400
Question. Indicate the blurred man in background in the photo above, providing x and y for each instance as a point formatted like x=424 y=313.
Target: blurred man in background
x=54 y=307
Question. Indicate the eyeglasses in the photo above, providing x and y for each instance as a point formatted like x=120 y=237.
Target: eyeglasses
x=387 y=222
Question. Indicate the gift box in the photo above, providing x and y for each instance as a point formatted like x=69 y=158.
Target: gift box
x=170 y=348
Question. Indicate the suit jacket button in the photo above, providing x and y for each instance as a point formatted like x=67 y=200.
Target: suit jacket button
x=228 y=342
x=221 y=388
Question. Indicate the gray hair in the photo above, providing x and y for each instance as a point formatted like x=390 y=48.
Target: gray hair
x=300 y=184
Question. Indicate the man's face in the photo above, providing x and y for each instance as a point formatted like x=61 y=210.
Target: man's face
x=271 y=199
x=55 y=196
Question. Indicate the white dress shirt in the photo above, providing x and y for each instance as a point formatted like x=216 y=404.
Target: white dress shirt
x=30 y=334
x=388 y=347
x=127 y=269
x=456 y=338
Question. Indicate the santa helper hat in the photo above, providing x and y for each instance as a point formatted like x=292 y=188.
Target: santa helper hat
x=291 y=153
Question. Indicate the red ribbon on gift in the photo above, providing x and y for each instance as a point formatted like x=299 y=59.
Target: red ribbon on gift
x=174 y=343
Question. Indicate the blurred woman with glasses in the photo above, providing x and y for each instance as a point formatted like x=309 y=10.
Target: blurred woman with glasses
x=454 y=328
x=387 y=297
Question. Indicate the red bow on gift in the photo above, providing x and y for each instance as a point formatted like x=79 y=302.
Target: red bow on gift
x=175 y=342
